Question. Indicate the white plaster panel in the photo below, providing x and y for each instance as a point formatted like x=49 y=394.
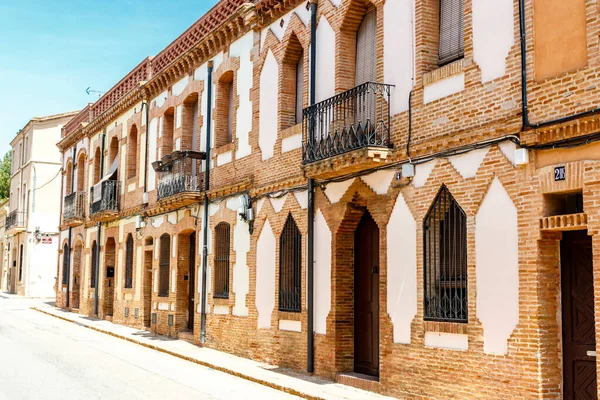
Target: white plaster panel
x=278 y=30
x=233 y=203
x=174 y=246
x=157 y=222
x=138 y=268
x=213 y=208
x=468 y=163
x=402 y=270
x=224 y=158
x=335 y=191
x=379 y=181
x=201 y=73
x=178 y=111
x=242 y=48
x=278 y=203
x=160 y=99
x=221 y=310
x=155 y=281
x=322 y=293
x=268 y=106
x=173 y=279
x=291 y=143
x=172 y=218
x=289 y=325
x=444 y=88
x=241 y=272
x=302 y=198
x=497 y=268
x=508 y=148
x=163 y=306
x=398 y=47
x=325 y=77
x=449 y=341
x=493 y=36
x=152 y=153
x=336 y=2
x=265 y=276
x=422 y=172
x=259 y=205
x=180 y=86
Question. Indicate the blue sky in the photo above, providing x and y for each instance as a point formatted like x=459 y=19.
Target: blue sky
x=51 y=51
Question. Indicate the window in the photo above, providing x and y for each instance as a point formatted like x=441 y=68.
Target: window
x=164 y=265
x=94 y=264
x=80 y=172
x=445 y=260
x=290 y=265
x=65 y=270
x=97 y=161
x=366 y=49
x=69 y=177
x=299 y=88
x=113 y=150
x=224 y=110
x=222 y=261
x=132 y=152
x=168 y=121
x=452 y=43
x=129 y=262
x=21 y=262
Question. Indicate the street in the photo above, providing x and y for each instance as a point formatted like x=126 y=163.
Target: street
x=42 y=357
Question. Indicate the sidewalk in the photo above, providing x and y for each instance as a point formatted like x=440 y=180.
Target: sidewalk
x=292 y=382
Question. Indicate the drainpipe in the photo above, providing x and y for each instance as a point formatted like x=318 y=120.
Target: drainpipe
x=70 y=234
x=205 y=215
x=524 y=101
x=99 y=243
x=310 y=340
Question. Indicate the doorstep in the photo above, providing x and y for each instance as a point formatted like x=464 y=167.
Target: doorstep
x=188 y=336
x=360 y=381
x=289 y=381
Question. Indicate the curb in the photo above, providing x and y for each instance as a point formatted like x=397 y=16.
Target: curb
x=250 y=378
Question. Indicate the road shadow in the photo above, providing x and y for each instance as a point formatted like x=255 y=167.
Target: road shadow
x=299 y=375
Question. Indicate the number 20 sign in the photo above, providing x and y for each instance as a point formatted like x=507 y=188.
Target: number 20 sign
x=559 y=173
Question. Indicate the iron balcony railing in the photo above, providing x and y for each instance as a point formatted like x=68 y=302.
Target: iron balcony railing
x=15 y=219
x=104 y=197
x=74 y=206
x=179 y=172
x=354 y=119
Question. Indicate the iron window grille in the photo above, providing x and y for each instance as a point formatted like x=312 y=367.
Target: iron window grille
x=74 y=206
x=223 y=249
x=290 y=267
x=164 y=265
x=65 y=271
x=451 y=41
x=15 y=219
x=354 y=119
x=445 y=260
x=129 y=262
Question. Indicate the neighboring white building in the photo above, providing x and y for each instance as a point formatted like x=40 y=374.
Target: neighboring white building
x=34 y=203
x=3 y=247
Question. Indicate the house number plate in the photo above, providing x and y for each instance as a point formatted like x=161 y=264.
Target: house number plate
x=559 y=173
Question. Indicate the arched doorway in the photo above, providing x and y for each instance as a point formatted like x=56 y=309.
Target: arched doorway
x=109 y=277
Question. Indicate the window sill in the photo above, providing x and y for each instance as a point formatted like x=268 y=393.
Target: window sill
x=446 y=71
x=219 y=301
x=223 y=148
x=446 y=327
x=292 y=131
x=289 y=315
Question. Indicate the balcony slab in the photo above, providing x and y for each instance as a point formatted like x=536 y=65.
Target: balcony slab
x=348 y=163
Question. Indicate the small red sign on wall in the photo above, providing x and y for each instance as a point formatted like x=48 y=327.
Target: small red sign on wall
x=46 y=240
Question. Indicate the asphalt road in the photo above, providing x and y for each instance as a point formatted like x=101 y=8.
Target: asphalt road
x=45 y=358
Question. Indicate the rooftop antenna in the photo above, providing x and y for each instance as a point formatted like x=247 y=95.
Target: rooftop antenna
x=98 y=92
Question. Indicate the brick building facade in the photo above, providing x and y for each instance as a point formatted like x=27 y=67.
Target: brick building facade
x=435 y=159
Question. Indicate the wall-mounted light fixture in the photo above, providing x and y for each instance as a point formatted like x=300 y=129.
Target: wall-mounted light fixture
x=246 y=212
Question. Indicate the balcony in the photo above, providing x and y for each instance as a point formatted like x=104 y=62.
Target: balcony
x=347 y=132
x=104 y=200
x=15 y=221
x=180 y=178
x=74 y=208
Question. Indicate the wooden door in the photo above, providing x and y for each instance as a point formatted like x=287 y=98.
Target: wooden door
x=579 y=336
x=366 y=297
x=192 y=282
x=148 y=284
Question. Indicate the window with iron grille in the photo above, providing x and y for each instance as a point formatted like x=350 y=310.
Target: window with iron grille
x=452 y=43
x=65 y=271
x=290 y=267
x=164 y=265
x=129 y=262
x=445 y=260
x=222 y=250
x=94 y=264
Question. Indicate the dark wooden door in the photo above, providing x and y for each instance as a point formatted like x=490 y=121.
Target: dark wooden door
x=579 y=336
x=366 y=297
x=192 y=282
